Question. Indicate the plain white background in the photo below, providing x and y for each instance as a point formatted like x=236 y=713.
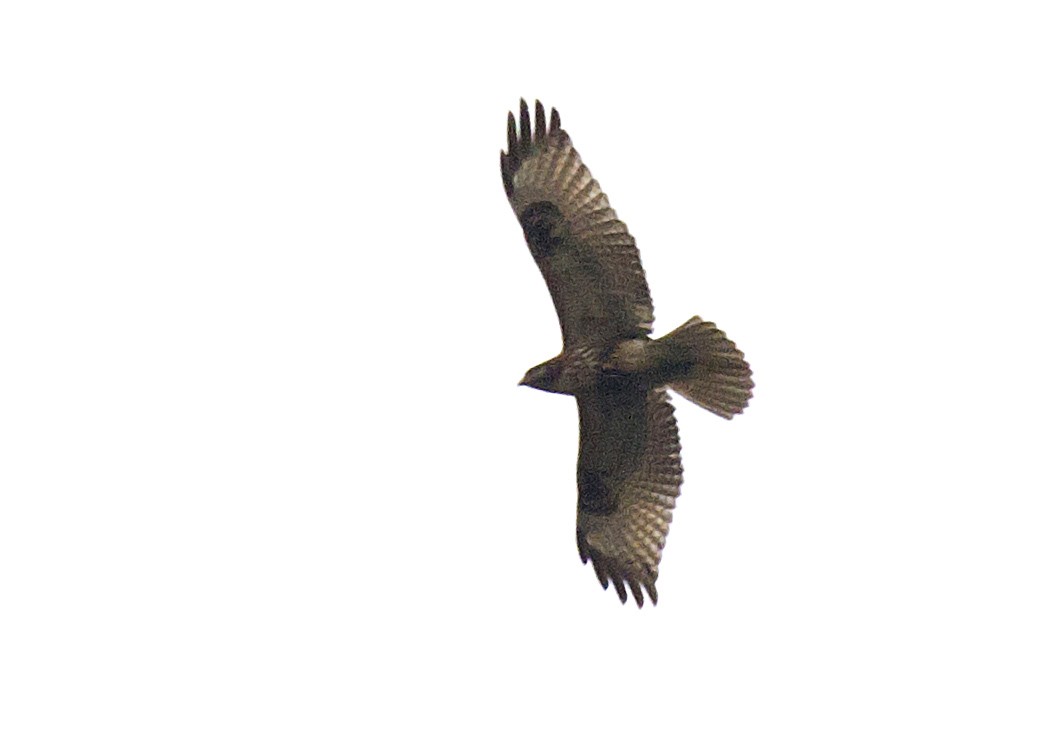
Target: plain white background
x=267 y=476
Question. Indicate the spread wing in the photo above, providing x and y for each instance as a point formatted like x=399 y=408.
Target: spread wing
x=588 y=258
x=629 y=477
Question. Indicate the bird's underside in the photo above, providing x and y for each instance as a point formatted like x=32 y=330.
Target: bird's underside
x=628 y=468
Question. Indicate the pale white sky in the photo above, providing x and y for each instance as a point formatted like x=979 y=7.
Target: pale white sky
x=266 y=473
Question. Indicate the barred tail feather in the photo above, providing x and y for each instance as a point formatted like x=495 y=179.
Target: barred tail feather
x=710 y=369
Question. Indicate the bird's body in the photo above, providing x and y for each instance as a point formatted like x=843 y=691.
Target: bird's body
x=628 y=469
x=638 y=360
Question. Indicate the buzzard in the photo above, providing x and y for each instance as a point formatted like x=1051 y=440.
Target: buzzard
x=628 y=470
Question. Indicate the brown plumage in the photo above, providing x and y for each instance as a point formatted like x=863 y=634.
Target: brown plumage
x=628 y=469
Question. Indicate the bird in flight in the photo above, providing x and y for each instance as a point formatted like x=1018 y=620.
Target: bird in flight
x=628 y=469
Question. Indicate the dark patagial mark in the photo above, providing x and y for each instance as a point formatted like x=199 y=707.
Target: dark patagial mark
x=542 y=223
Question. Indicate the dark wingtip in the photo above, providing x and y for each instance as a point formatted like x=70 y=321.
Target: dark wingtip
x=581 y=546
x=511 y=132
x=638 y=581
x=637 y=593
x=601 y=572
x=522 y=139
x=520 y=134
x=526 y=128
x=507 y=182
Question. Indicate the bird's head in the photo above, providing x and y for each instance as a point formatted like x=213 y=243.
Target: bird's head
x=544 y=376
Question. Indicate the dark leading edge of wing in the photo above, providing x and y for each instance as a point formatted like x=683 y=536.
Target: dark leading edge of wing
x=586 y=255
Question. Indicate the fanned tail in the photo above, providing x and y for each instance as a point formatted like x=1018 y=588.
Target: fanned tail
x=707 y=368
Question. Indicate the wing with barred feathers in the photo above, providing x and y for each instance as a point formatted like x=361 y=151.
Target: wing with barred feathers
x=629 y=476
x=586 y=255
